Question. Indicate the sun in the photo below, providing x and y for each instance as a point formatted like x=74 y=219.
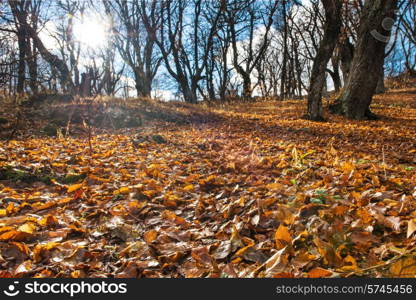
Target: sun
x=91 y=32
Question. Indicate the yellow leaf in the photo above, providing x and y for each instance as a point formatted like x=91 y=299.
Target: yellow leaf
x=347 y=167
x=3 y=213
x=124 y=190
x=74 y=187
x=282 y=237
x=27 y=228
x=350 y=264
x=189 y=187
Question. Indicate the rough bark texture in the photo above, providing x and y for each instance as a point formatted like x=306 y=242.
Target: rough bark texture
x=326 y=48
x=347 y=55
x=362 y=79
x=380 y=82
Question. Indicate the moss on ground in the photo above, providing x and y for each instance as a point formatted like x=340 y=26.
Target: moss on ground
x=18 y=175
x=14 y=174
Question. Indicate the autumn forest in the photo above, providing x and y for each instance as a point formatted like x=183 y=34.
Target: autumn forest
x=207 y=138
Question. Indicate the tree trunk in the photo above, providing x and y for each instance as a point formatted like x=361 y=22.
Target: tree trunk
x=247 y=87
x=188 y=94
x=283 y=79
x=368 y=60
x=380 y=82
x=347 y=55
x=21 y=69
x=143 y=84
x=326 y=48
x=32 y=64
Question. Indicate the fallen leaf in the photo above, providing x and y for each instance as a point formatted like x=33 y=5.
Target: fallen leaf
x=319 y=273
x=150 y=236
x=282 y=237
x=405 y=267
x=74 y=187
x=411 y=227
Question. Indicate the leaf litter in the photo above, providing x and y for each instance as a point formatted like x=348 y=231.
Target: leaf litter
x=260 y=193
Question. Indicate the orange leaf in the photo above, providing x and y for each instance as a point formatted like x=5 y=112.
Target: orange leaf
x=283 y=275
x=319 y=273
x=150 y=236
x=14 y=235
x=282 y=237
x=42 y=206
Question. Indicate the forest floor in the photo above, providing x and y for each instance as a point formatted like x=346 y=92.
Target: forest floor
x=252 y=190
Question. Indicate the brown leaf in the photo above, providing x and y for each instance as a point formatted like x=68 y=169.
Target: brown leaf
x=202 y=256
x=364 y=238
x=223 y=250
x=130 y=271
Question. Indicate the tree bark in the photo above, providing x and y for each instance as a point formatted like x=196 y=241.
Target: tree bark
x=369 y=55
x=380 y=82
x=143 y=83
x=347 y=55
x=19 y=11
x=21 y=69
x=32 y=66
x=326 y=48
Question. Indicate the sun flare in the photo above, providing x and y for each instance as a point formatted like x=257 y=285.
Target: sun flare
x=91 y=32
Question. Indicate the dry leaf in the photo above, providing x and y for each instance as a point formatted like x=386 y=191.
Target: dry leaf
x=282 y=237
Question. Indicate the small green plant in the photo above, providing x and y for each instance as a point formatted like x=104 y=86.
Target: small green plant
x=319 y=197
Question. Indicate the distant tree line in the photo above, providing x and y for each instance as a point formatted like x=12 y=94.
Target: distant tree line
x=213 y=50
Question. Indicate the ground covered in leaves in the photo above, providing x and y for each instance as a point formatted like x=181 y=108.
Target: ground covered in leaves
x=257 y=192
